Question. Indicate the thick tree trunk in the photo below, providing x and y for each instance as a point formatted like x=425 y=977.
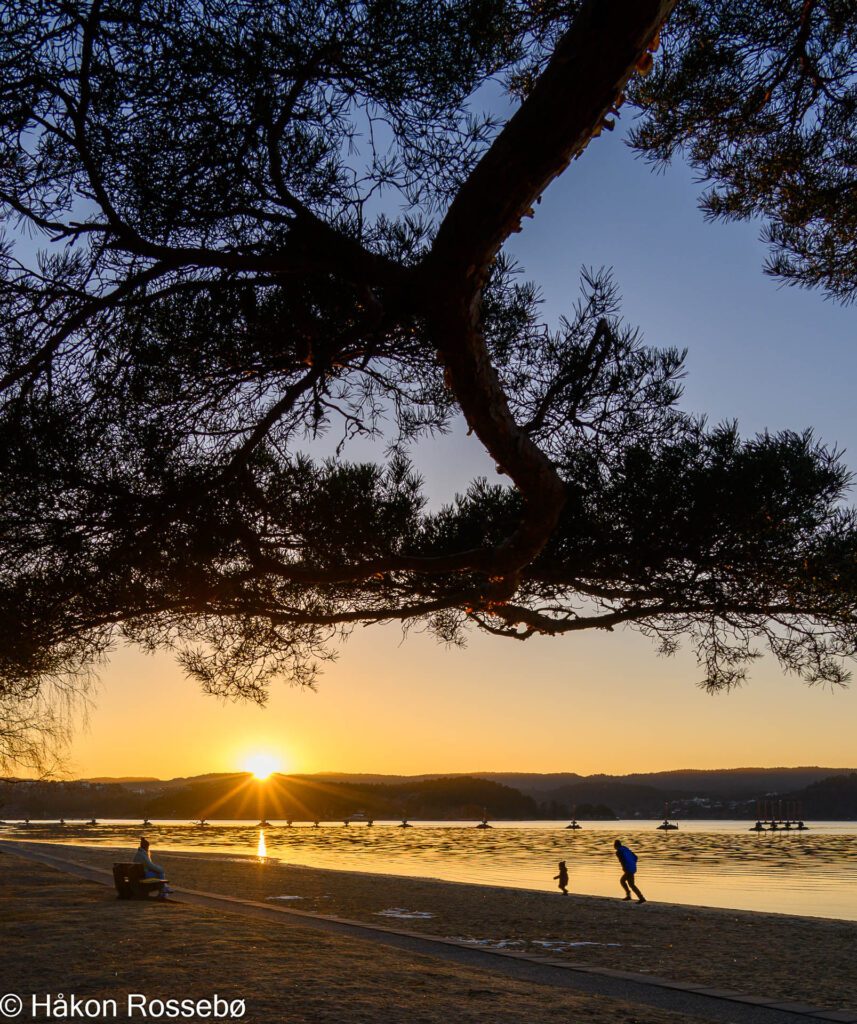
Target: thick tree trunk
x=584 y=79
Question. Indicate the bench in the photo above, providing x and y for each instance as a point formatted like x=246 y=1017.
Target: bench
x=131 y=882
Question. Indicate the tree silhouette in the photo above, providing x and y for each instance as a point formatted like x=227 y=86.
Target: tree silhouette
x=262 y=222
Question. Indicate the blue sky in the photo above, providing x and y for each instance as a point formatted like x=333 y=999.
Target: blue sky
x=770 y=355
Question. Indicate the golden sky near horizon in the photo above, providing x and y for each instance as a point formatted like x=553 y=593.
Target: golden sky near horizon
x=596 y=702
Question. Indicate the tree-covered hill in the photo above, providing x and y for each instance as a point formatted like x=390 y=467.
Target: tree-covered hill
x=834 y=798
x=821 y=792
x=280 y=797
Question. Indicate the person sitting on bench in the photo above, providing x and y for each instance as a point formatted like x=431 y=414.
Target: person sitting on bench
x=152 y=869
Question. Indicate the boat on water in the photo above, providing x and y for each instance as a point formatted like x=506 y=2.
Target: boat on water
x=574 y=824
x=666 y=825
x=484 y=822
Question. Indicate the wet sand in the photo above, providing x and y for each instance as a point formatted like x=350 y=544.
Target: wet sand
x=785 y=958
x=63 y=935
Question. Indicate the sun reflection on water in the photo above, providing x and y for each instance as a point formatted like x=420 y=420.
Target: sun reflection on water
x=262 y=849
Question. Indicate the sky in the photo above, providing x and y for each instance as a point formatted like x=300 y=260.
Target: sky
x=768 y=356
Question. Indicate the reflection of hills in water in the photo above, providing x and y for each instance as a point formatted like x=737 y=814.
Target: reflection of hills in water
x=804 y=873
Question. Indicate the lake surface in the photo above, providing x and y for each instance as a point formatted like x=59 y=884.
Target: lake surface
x=706 y=863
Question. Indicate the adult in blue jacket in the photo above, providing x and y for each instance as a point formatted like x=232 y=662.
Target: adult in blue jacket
x=628 y=860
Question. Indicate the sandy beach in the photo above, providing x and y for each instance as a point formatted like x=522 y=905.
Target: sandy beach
x=62 y=934
x=785 y=958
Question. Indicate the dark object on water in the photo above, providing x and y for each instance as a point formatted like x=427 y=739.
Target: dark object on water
x=775 y=826
x=772 y=815
x=574 y=824
x=666 y=825
x=131 y=882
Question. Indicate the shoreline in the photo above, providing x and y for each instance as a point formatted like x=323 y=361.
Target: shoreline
x=805 y=959
x=176 y=853
x=739 y=824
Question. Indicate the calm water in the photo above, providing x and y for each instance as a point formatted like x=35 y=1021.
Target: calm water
x=717 y=864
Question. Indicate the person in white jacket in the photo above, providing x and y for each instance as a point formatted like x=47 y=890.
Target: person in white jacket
x=153 y=870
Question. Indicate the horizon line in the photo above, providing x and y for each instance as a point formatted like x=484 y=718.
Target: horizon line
x=436 y=774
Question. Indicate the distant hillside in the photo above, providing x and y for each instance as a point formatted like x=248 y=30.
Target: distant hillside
x=306 y=799
x=123 y=779
x=534 y=783
x=281 y=797
x=834 y=798
x=726 y=783
x=737 y=782
x=624 y=799
x=688 y=793
x=530 y=782
x=728 y=793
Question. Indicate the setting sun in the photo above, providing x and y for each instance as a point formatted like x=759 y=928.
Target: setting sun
x=261 y=765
